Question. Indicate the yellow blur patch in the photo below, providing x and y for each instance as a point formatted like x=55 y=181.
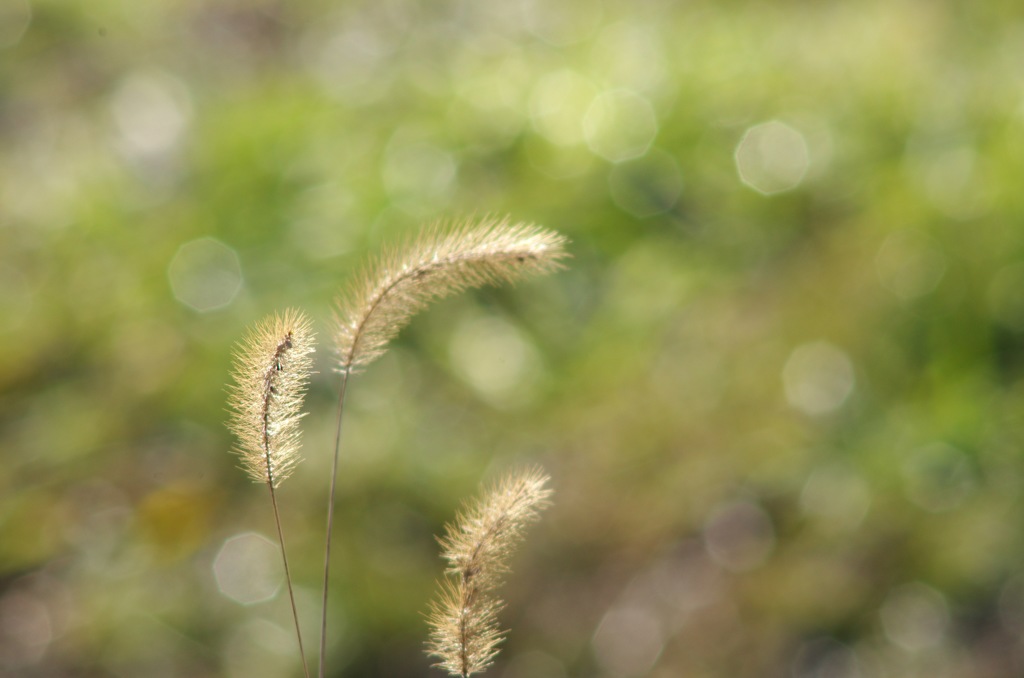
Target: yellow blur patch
x=175 y=520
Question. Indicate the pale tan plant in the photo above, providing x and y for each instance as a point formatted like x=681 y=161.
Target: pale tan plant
x=443 y=260
x=439 y=263
x=464 y=627
x=271 y=374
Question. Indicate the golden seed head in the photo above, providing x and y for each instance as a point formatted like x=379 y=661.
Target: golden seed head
x=439 y=263
x=271 y=373
x=464 y=625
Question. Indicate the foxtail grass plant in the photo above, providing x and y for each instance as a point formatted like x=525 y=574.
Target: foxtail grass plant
x=272 y=371
x=272 y=368
x=464 y=627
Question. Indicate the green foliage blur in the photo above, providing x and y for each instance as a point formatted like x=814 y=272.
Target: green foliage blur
x=780 y=389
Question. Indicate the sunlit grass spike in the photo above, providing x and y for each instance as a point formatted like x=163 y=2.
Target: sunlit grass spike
x=464 y=627
x=440 y=262
x=272 y=368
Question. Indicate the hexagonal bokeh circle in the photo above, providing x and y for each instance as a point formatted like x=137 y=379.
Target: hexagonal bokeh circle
x=772 y=157
x=205 y=274
x=248 y=568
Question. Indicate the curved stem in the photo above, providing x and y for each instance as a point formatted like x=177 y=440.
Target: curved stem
x=330 y=520
x=288 y=576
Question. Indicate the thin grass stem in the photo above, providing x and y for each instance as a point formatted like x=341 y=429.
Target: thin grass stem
x=440 y=262
x=288 y=577
x=272 y=368
x=330 y=519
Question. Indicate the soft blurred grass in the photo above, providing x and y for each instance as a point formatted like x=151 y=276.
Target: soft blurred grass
x=703 y=525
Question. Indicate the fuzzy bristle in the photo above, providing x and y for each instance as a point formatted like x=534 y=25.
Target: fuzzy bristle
x=464 y=628
x=271 y=373
x=441 y=262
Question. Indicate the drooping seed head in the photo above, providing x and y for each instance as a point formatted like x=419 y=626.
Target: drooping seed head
x=440 y=262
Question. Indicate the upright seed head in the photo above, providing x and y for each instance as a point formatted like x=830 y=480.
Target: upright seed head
x=464 y=627
x=271 y=373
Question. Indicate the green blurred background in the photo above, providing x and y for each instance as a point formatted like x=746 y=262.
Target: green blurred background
x=780 y=390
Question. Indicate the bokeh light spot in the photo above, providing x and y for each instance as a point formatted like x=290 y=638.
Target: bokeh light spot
x=152 y=112
x=817 y=377
x=205 y=274
x=15 y=17
x=772 y=157
x=558 y=103
x=646 y=186
x=620 y=125
x=628 y=641
x=496 y=359
x=248 y=568
x=909 y=264
x=915 y=617
x=739 y=536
